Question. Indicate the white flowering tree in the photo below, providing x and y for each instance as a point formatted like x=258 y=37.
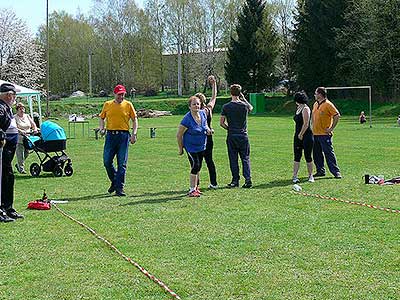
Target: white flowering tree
x=21 y=58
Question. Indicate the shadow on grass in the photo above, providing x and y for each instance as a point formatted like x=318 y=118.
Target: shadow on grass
x=29 y=177
x=87 y=197
x=173 y=196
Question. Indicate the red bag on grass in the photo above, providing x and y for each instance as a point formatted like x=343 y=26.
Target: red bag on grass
x=39 y=205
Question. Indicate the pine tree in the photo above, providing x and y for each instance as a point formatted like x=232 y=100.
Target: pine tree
x=251 y=56
x=315 y=49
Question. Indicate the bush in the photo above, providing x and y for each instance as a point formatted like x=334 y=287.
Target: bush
x=150 y=93
x=54 y=97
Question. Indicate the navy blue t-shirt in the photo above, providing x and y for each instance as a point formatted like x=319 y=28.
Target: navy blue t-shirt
x=195 y=137
x=236 y=115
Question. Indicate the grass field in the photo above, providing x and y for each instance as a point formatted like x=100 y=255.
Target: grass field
x=262 y=243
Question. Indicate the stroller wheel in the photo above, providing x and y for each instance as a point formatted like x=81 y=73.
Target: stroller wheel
x=57 y=171
x=68 y=171
x=35 y=170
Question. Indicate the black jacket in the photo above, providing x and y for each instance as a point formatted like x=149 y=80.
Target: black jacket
x=5 y=116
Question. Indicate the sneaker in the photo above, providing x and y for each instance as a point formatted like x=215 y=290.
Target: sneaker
x=311 y=178
x=4 y=218
x=212 y=186
x=198 y=190
x=295 y=179
x=120 y=193
x=319 y=174
x=111 y=189
x=338 y=175
x=194 y=193
x=12 y=213
x=232 y=185
x=247 y=185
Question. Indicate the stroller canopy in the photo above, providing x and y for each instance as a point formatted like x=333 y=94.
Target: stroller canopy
x=52 y=131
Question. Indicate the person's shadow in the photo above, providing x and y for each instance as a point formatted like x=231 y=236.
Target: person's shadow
x=170 y=196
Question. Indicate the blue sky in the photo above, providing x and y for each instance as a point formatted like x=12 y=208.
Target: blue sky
x=33 y=12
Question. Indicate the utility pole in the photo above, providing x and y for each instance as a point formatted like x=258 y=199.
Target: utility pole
x=90 y=72
x=47 y=61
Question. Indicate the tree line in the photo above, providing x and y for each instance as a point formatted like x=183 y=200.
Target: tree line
x=173 y=45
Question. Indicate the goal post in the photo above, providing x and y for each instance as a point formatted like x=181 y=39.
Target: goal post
x=367 y=87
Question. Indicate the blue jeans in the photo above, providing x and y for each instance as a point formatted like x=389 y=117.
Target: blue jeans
x=116 y=144
x=323 y=146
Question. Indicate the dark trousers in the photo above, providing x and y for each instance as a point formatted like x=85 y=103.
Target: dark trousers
x=305 y=144
x=7 y=179
x=209 y=161
x=238 y=145
x=323 y=147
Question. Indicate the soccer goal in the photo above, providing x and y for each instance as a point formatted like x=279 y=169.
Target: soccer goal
x=366 y=87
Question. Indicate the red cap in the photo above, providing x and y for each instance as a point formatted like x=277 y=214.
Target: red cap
x=119 y=89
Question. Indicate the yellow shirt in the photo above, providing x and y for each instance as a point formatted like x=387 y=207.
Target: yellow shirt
x=322 y=116
x=117 y=116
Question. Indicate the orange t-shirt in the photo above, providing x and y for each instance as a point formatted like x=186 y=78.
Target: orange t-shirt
x=322 y=116
x=118 y=115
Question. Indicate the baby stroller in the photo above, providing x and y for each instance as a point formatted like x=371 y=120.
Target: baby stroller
x=53 y=139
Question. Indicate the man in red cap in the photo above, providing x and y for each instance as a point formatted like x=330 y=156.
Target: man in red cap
x=115 y=117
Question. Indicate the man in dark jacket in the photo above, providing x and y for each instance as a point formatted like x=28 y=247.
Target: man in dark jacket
x=9 y=126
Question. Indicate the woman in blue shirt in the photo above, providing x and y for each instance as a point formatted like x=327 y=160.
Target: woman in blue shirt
x=192 y=136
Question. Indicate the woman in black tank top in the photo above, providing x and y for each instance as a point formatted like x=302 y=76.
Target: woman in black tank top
x=210 y=144
x=303 y=137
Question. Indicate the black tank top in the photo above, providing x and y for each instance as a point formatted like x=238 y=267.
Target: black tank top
x=209 y=117
x=298 y=119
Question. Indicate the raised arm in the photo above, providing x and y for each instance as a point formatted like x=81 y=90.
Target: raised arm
x=244 y=100
x=213 y=82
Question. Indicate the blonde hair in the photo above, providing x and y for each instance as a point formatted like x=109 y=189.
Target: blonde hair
x=19 y=105
x=192 y=98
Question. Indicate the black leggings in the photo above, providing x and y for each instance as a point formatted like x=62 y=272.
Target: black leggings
x=195 y=159
x=306 y=144
x=209 y=161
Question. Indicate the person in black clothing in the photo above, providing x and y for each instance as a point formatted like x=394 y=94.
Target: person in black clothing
x=234 y=120
x=208 y=108
x=303 y=136
x=9 y=126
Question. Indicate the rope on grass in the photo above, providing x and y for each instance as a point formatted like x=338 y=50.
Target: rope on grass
x=349 y=202
x=143 y=270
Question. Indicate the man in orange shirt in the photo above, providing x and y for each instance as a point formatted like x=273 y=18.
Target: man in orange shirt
x=325 y=117
x=117 y=113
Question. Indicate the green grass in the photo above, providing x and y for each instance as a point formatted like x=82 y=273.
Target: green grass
x=262 y=243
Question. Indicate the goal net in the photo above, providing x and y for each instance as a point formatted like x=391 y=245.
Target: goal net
x=356 y=93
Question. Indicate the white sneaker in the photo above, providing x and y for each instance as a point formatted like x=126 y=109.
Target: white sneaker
x=295 y=179
x=311 y=178
x=213 y=187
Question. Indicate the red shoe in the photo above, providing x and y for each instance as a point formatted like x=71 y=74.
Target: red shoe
x=198 y=190
x=194 y=193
